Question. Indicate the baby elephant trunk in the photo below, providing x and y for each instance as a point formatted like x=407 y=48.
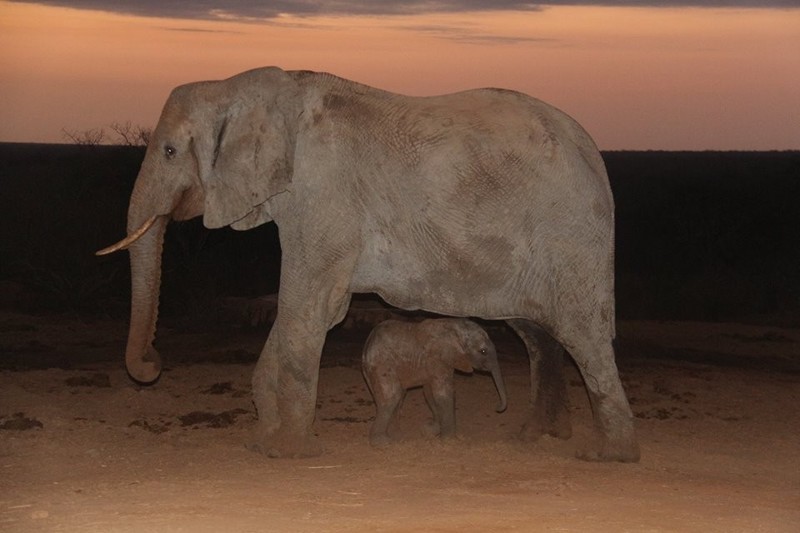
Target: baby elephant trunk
x=501 y=387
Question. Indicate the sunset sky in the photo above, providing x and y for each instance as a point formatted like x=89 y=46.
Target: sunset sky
x=705 y=75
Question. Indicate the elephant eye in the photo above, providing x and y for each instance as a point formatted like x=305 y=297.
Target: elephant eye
x=483 y=351
x=170 y=151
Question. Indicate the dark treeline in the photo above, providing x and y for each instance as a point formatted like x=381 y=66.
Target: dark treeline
x=707 y=235
x=700 y=236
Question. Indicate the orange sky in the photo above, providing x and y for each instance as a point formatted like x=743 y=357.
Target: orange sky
x=636 y=78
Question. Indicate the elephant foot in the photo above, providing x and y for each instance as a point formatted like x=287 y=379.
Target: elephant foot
x=285 y=445
x=622 y=450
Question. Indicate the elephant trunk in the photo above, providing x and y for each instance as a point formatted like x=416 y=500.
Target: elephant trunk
x=501 y=387
x=141 y=359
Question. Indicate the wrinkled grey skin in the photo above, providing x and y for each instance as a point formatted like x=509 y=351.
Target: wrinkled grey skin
x=484 y=203
x=401 y=355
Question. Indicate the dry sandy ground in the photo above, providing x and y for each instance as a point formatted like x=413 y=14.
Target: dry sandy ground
x=84 y=449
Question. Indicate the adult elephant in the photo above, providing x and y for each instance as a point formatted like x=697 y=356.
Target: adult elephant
x=484 y=203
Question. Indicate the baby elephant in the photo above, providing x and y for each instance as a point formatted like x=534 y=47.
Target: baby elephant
x=401 y=355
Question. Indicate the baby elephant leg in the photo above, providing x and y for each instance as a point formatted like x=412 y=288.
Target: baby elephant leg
x=434 y=427
x=386 y=405
x=440 y=396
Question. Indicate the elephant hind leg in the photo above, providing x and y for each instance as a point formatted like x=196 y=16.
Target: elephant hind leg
x=549 y=401
x=386 y=407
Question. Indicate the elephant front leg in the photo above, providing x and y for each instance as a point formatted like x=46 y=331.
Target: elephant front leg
x=286 y=375
x=284 y=393
x=440 y=395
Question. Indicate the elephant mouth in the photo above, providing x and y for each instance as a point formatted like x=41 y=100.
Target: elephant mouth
x=130 y=239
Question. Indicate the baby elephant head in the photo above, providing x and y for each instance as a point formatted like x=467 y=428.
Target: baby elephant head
x=475 y=351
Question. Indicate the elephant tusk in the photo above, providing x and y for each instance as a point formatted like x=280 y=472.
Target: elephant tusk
x=130 y=239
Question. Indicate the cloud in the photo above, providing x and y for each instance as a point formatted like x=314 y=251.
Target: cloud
x=467 y=35
x=254 y=10
x=198 y=30
x=268 y=9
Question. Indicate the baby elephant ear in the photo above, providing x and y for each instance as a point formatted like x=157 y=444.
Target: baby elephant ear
x=246 y=155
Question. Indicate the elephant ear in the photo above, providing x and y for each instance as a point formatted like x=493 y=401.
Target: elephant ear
x=246 y=152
